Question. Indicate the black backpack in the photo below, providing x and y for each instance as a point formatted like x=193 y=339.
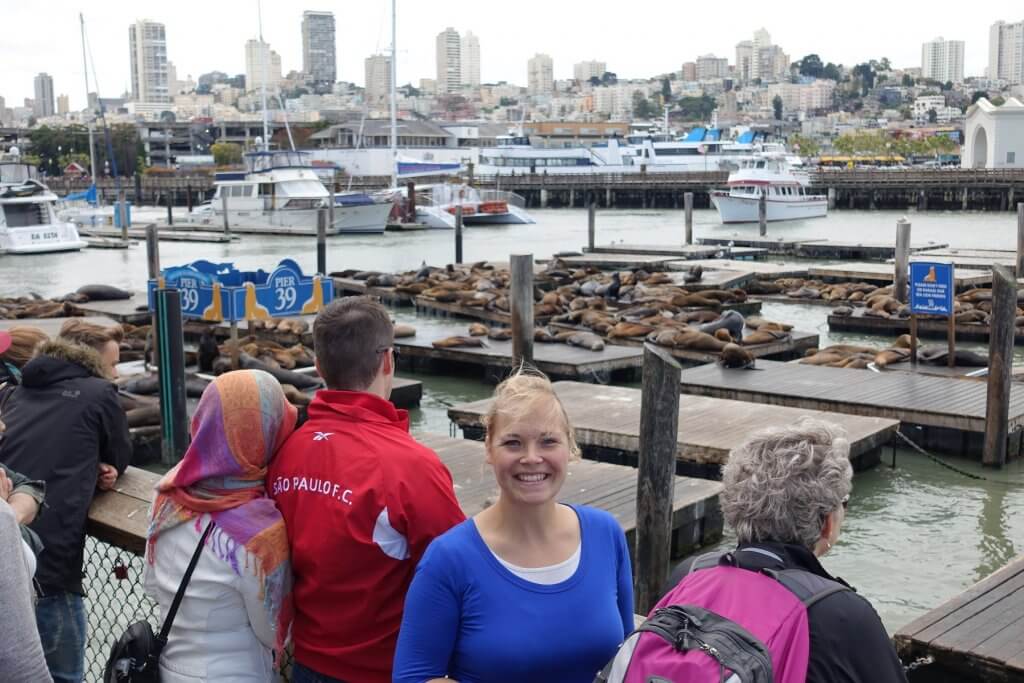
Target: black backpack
x=135 y=657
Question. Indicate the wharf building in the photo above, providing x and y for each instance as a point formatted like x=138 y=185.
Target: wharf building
x=147 y=41
x=43 y=104
x=943 y=60
x=1006 y=52
x=319 y=58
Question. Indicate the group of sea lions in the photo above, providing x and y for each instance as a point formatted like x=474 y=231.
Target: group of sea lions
x=544 y=335
x=973 y=307
x=859 y=357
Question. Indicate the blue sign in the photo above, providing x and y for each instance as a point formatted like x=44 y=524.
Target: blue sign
x=931 y=288
x=286 y=292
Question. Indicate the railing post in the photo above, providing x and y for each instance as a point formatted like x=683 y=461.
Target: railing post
x=170 y=214
x=655 y=492
x=688 y=208
x=902 y=260
x=122 y=211
x=153 y=269
x=1000 y=366
x=173 y=411
x=1019 y=271
x=321 y=241
x=521 y=295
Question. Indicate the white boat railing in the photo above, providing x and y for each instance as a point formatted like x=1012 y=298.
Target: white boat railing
x=503 y=196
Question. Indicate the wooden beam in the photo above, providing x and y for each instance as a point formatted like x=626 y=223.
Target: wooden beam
x=1000 y=366
x=521 y=300
x=902 y=260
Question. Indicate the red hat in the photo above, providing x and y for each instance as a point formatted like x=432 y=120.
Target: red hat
x=5 y=341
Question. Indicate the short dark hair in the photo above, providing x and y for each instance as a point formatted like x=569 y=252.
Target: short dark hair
x=348 y=336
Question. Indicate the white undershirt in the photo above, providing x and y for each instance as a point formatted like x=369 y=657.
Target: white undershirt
x=546 y=576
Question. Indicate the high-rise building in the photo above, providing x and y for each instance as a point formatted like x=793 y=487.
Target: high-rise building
x=256 y=53
x=744 y=60
x=943 y=60
x=761 y=42
x=689 y=71
x=449 y=61
x=63 y=105
x=584 y=71
x=540 y=76
x=44 y=96
x=469 y=58
x=378 y=77
x=760 y=59
x=148 y=43
x=1006 y=52
x=710 y=66
x=319 y=60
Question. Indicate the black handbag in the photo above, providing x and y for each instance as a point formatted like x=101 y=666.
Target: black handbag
x=135 y=657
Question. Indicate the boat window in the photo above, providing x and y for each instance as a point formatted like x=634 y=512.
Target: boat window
x=24 y=215
x=760 y=164
x=266 y=189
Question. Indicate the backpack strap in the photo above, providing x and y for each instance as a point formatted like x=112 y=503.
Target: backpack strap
x=711 y=560
x=165 y=630
x=809 y=588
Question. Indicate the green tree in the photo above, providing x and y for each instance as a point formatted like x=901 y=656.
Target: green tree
x=831 y=72
x=933 y=116
x=978 y=94
x=865 y=74
x=226 y=153
x=805 y=146
x=777 y=107
x=695 y=108
x=908 y=81
x=642 y=107
x=609 y=78
x=811 y=66
x=508 y=102
x=998 y=101
x=666 y=89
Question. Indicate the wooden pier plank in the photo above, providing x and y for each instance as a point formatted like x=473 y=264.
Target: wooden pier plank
x=837 y=249
x=628 y=261
x=346 y=286
x=608 y=418
x=679 y=251
x=883 y=272
x=763 y=269
x=122 y=310
x=932 y=328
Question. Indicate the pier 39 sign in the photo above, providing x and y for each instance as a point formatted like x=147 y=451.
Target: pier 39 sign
x=931 y=288
x=217 y=292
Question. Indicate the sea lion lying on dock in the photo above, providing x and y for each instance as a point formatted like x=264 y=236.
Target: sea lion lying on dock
x=939 y=355
x=103 y=293
x=457 y=341
x=735 y=356
x=687 y=339
x=149 y=385
x=764 y=335
x=402 y=330
x=585 y=340
x=730 y=321
x=296 y=379
x=478 y=330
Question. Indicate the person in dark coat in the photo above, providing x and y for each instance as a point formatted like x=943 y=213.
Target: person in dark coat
x=66 y=427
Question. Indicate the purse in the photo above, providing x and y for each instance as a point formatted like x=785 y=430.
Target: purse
x=135 y=657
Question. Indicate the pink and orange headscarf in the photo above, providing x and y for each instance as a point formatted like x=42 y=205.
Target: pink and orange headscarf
x=242 y=420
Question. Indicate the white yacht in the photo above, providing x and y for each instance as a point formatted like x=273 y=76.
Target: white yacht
x=784 y=189
x=280 y=191
x=28 y=216
x=436 y=206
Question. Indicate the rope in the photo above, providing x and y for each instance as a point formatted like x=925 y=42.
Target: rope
x=943 y=463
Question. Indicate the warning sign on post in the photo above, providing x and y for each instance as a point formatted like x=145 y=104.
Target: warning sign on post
x=931 y=288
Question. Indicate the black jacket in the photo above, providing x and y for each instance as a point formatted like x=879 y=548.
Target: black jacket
x=62 y=421
x=848 y=641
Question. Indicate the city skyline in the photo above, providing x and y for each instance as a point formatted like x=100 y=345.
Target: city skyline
x=217 y=41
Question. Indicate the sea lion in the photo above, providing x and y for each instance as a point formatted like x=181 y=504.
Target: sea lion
x=695 y=301
x=938 y=355
x=730 y=321
x=296 y=379
x=294 y=396
x=103 y=293
x=543 y=335
x=763 y=335
x=477 y=330
x=145 y=415
x=888 y=357
x=842 y=311
x=149 y=385
x=735 y=356
x=694 y=274
x=402 y=330
x=586 y=340
x=302 y=356
x=382 y=280
x=625 y=330
x=456 y=341
x=208 y=350
x=755 y=322
x=499 y=333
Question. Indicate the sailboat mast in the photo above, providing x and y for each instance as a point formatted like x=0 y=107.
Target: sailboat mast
x=265 y=57
x=85 y=68
x=394 y=103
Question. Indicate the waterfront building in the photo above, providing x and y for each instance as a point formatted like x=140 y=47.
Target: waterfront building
x=448 y=53
x=689 y=71
x=378 y=78
x=63 y=105
x=943 y=60
x=540 y=78
x=319 y=60
x=994 y=135
x=43 y=104
x=147 y=41
x=709 y=67
x=469 y=61
x=584 y=71
x=1006 y=52
x=256 y=54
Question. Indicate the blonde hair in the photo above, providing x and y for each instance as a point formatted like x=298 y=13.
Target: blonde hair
x=25 y=339
x=517 y=395
x=91 y=334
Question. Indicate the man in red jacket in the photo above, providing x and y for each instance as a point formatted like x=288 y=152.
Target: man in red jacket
x=361 y=500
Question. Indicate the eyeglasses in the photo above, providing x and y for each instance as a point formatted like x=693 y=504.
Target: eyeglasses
x=395 y=353
x=845 y=501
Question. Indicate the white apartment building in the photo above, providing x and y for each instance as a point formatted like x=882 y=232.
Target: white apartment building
x=378 y=78
x=147 y=41
x=469 y=55
x=584 y=71
x=63 y=105
x=540 y=78
x=759 y=58
x=710 y=66
x=943 y=60
x=616 y=101
x=448 y=52
x=319 y=59
x=43 y=105
x=1006 y=52
x=801 y=97
x=926 y=103
x=257 y=55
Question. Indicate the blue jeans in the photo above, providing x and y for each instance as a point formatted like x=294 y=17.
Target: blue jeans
x=303 y=674
x=61 y=621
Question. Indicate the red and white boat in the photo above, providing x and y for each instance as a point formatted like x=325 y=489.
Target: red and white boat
x=785 y=190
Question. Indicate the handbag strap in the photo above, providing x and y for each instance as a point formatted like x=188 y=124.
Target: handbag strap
x=165 y=630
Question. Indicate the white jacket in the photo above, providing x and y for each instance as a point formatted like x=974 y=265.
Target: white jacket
x=222 y=631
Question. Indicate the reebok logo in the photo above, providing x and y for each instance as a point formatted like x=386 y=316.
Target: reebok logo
x=321 y=436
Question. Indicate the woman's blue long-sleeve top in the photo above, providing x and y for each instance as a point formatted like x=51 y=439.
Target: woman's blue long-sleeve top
x=468 y=617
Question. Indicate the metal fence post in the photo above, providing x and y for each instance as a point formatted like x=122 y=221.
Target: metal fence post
x=173 y=412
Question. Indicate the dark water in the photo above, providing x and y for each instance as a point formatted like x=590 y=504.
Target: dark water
x=915 y=535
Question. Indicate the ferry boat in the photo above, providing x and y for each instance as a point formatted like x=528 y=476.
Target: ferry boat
x=280 y=191
x=784 y=189
x=28 y=215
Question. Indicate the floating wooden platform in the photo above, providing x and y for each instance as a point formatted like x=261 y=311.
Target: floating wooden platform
x=51 y=326
x=931 y=328
x=607 y=424
x=774 y=245
x=949 y=412
x=406 y=393
x=832 y=249
x=556 y=360
x=120 y=516
x=122 y=310
x=104 y=243
x=764 y=269
x=344 y=286
x=793 y=346
x=883 y=272
x=427 y=306
x=976 y=636
x=980 y=259
x=621 y=260
x=719 y=278
x=679 y=251
x=165 y=233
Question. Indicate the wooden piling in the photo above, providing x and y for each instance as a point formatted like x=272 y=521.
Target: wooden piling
x=688 y=208
x=1000 y=366
x=458 y=234
x=224 y=208
x=122 y=211
x=410 y=196
x=188 y=198
x=659 y=433
x=321 y=241
x=330 y=210
x=153 y=269
x=902 y=261
x=170 y=214
x=591 y=224
x=1019 y=272
x=762 y=215
x=521 y=288
x=171 y=366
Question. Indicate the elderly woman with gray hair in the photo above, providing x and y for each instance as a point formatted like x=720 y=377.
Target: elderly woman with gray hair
x=785 y=495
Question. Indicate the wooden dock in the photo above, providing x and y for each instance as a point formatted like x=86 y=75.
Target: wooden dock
x=165 y=233
x=717 y=278
x=943 y=413
x=976 y=636
x=774 y=245
x=120 y=516
x=794 y=346
x=979 y=259
x=857 y=251
x=932 y=328
x=406 y=393
x=621 y=260
x=763 y=269
x=607 y=424
x=134 y=310
x=679 y=251
x=345 y=286
x=883 y=272
x=495 y=359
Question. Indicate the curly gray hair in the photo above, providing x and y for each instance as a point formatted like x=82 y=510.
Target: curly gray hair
x=782 y=482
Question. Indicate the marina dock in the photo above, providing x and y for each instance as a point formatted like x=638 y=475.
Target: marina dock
x=134 y=311
x=821 y=248
x=406 y=393
x=346 y=286
x=977 y=636
x=793 y=346
x=932 y=328
x=979 y=259
x=765 y=269
x=165 y=233
x=884 y=272
x=949 y=413
x=681 y=251
x=607 y=424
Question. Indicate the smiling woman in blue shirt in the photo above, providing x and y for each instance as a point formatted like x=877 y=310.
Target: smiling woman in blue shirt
x=529 y=589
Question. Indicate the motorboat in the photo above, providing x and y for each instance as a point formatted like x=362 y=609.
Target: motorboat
x=28 y=217
x=281 y=191
x=770 y=176
x=437 y=206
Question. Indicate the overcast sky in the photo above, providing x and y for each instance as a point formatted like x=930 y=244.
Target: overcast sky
x=636 y=39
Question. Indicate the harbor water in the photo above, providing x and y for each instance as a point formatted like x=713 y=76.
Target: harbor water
x=915 y=535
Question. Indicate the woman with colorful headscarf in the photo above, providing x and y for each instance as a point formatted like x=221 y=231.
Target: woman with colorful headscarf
x=237 y=608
